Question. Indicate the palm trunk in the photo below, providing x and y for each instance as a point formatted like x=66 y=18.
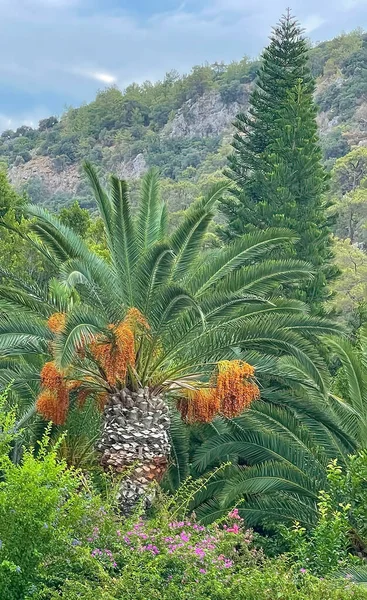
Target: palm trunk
x=135 y=440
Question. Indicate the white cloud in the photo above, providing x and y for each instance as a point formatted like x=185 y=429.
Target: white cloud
x=101 y=76
x=104 y=77
x=312 y=22
x=69 y=53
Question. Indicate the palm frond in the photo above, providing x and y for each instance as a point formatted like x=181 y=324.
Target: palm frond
x=240 y=252
x=124 y=242
x=187 y=240
x=81 y=326
x=102 y=200
x=178 y=469
x=355 y=374
x=152 y=271
x=149 y=220
x=163 y=226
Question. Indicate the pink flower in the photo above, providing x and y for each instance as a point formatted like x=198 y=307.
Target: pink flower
x=202 y=571
x=234 y=529
x=184 y=536
x=303 y=570
x=234 y=514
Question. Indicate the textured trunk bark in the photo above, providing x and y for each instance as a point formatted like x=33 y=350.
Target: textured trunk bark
x=135 y=439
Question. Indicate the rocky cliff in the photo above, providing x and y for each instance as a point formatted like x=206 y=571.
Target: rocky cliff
x=180 y=127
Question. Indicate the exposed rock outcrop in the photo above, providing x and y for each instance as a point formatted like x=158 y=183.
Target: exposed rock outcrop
x=133 y=168
x=70 y=178
x=206 y=116
x=42 y=167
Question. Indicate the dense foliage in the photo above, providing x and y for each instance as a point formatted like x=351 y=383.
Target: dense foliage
x=66 y=542
x=158 y=314
x=163 y=390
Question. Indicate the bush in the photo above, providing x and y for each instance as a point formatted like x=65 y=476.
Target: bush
x=58 y=539
x=351 y=487
x=339 y=540
x=45 y=514
x=182 y=560
x=275 y=581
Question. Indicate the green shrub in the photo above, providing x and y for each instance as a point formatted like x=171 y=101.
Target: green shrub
x=45 y=514
x=324 y=550
x=183 y=560
x=273 y=581
x=58 y=540
x=354 y=487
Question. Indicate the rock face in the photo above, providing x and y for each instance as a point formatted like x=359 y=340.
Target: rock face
x=133 y=169
x=326 y=122
x=70 y=178
x=207 y=116
x=41 y=167
x=135 y=441
x=356 y=135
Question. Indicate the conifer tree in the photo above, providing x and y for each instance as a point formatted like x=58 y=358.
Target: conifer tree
x=276 y=164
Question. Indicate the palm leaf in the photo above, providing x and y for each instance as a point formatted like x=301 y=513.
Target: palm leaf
x=81 y=327
x=124 y=241
x=149 y=220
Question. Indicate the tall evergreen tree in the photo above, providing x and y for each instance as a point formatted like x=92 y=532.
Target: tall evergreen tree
x=276 y=163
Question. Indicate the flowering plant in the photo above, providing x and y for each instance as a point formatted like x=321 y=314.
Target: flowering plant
x=182 y=550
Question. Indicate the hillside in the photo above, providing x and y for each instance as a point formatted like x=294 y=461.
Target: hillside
x=181 y=124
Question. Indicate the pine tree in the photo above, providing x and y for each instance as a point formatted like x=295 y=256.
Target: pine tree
x=276 y=163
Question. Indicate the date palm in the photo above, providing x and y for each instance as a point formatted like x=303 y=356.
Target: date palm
x=280 y=449
x=159 y=319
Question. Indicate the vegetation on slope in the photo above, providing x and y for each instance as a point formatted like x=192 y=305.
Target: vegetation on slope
x=129 y=314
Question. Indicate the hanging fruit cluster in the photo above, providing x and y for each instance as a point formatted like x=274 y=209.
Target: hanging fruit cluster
x=231 y=391
x=56 y=322
x=235 y=388
x=117 y=353
x=53 y=401
x=114 y=354
x=200 y=405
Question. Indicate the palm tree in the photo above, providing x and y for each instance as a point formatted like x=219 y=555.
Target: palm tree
x=159 y=319
x=352 y=409
x=279 y=449
x=279 y=456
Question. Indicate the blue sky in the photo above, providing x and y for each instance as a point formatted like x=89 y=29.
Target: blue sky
x=57 y=53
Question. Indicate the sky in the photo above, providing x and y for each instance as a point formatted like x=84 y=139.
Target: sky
x=58 y=53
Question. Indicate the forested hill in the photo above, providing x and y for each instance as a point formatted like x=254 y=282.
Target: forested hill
x=181 y=124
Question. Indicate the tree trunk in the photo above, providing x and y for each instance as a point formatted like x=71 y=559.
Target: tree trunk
x=135 y=440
